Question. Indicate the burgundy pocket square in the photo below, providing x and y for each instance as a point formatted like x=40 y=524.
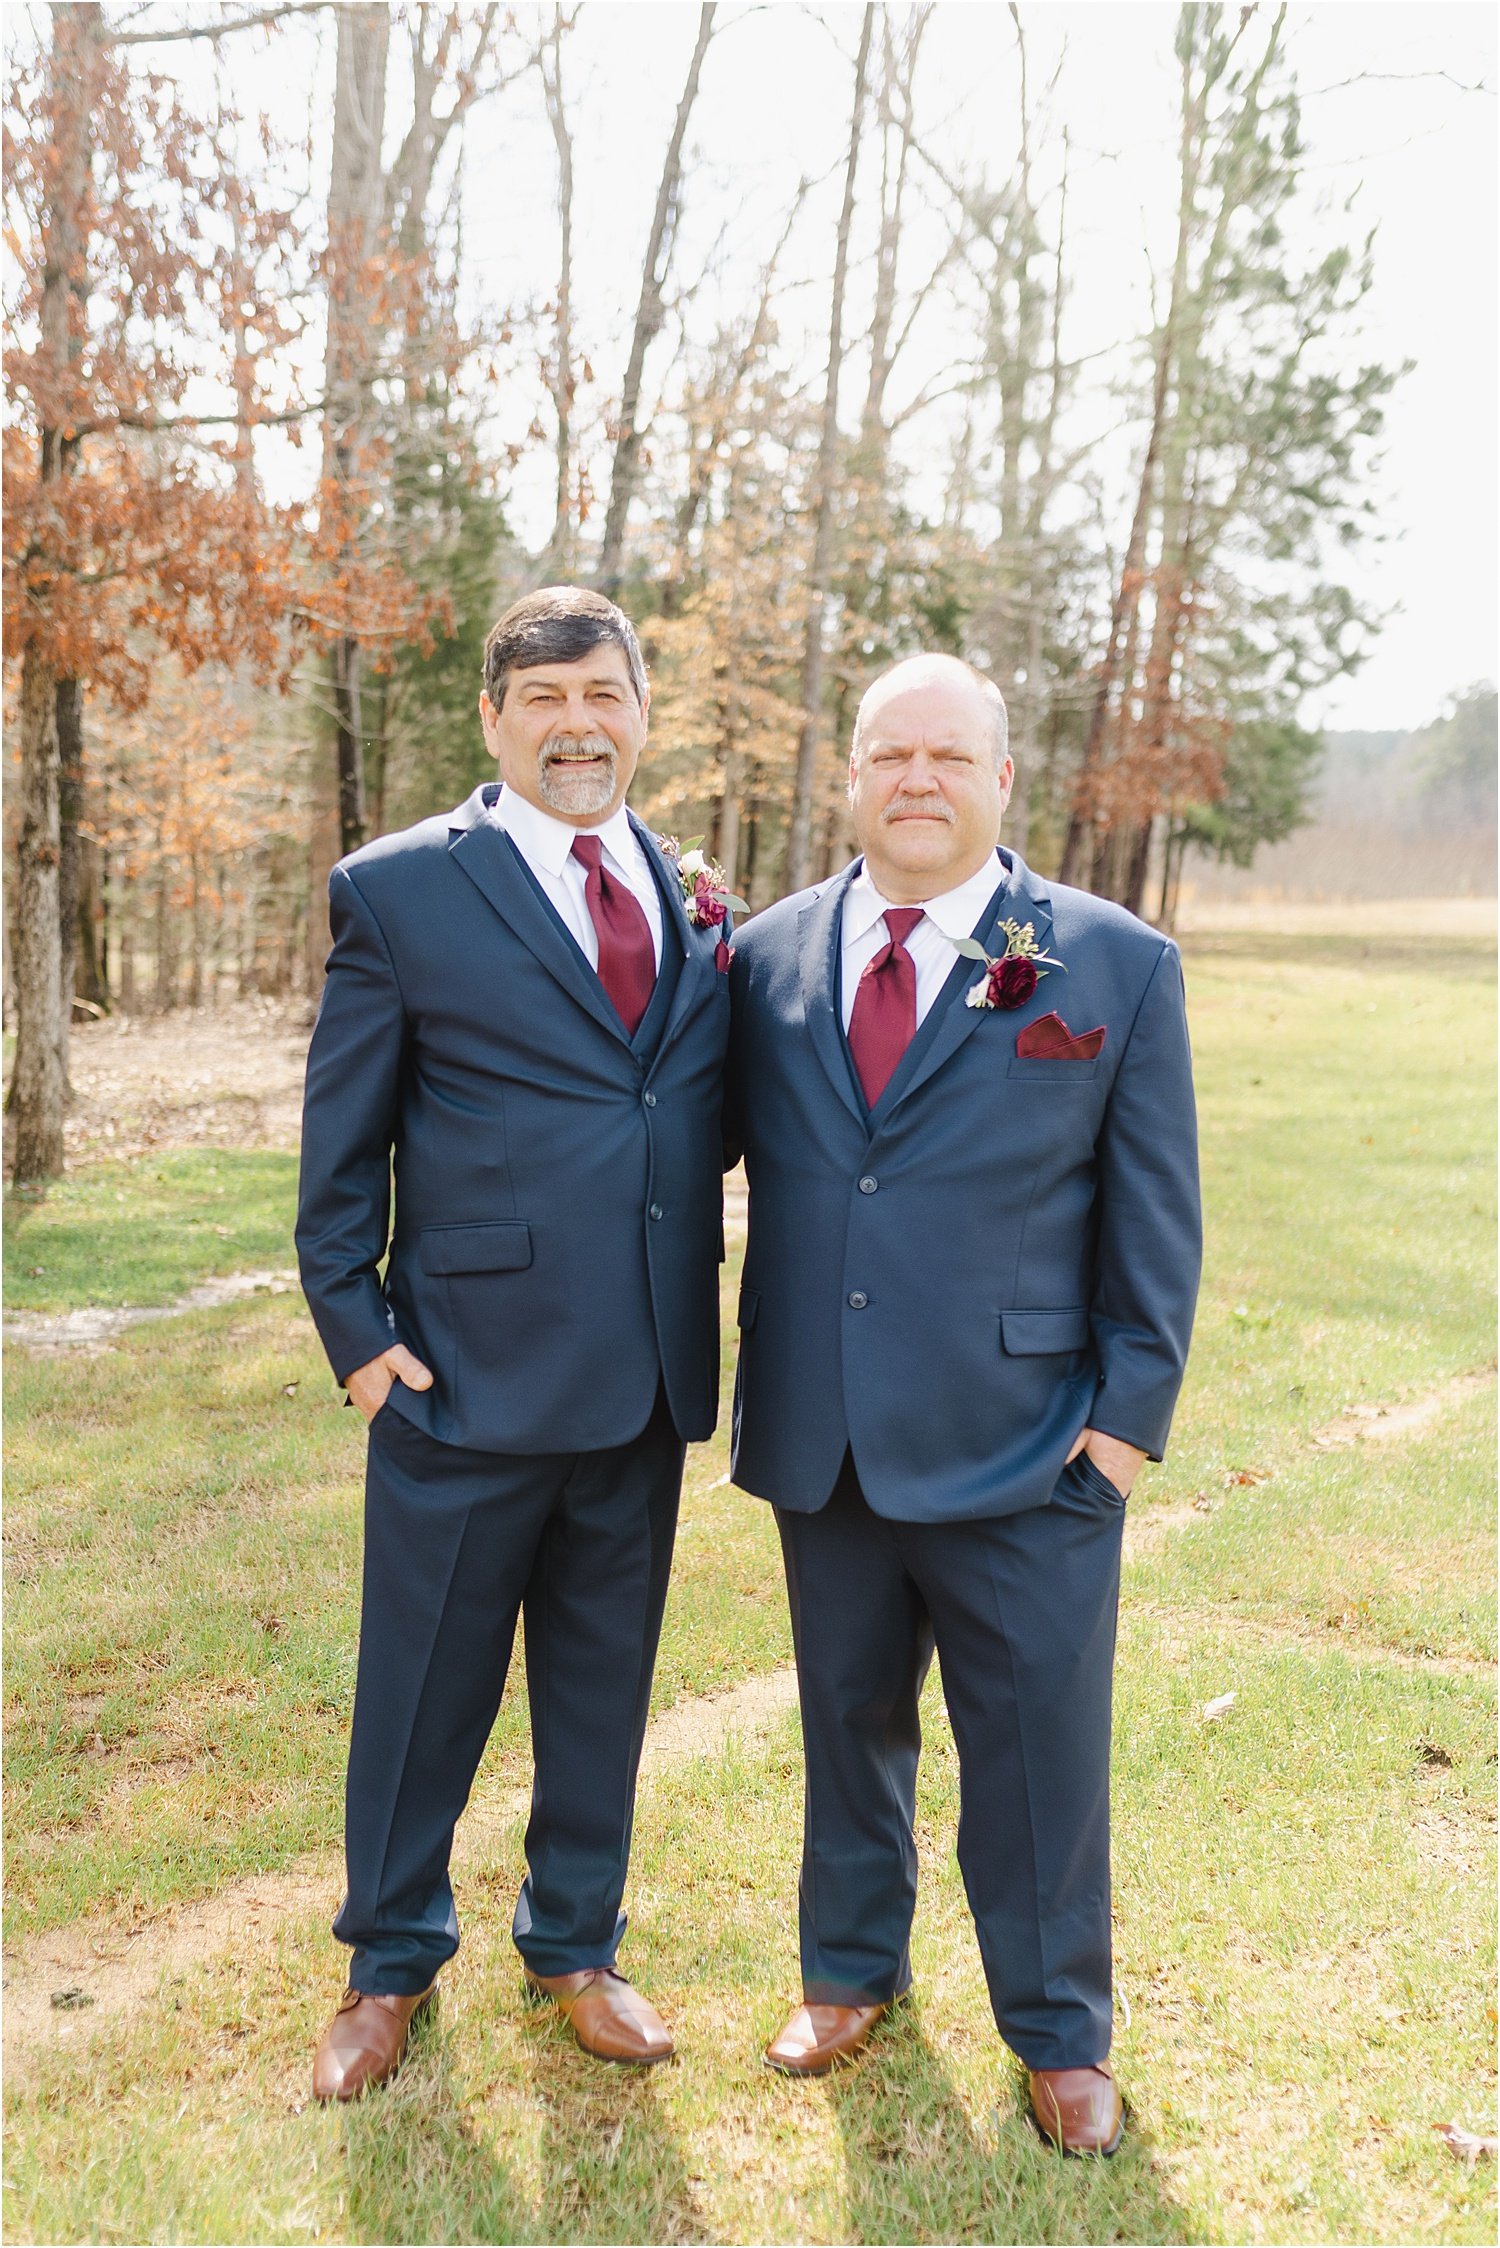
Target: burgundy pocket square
x=1049 y=1039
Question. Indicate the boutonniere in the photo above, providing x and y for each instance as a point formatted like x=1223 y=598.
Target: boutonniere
x=1009 y=977
x=705 y=895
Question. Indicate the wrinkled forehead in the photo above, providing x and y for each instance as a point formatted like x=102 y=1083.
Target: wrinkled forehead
x=604 y=666
x=930 y=714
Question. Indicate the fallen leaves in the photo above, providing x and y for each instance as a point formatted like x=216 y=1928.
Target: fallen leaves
x=1467 y=2145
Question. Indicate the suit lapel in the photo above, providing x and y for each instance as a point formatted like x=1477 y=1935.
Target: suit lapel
x=496 y=868
x=696 y=947
x=820 y=928
x=950 y=1021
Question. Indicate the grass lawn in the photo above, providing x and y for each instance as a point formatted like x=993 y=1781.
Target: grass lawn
x=1304 y=1883
x=143 y=1232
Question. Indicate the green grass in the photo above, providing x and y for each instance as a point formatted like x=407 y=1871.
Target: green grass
x=1304 y=1885
x=143 y=1232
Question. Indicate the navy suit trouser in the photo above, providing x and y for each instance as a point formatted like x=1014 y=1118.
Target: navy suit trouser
x=457 y=1545
x=1021 y=1609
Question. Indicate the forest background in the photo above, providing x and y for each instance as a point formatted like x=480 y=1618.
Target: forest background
x=1055 y=335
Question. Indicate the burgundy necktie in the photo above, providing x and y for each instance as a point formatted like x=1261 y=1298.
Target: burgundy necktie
x=627 y=957
x=884 y=1020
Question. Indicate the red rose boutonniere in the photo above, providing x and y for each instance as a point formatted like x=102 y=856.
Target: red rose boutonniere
x=1012 y=976
x=705 y=896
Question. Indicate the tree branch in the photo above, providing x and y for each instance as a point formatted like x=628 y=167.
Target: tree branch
x=216 y=30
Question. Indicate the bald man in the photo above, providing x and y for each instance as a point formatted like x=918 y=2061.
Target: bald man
x=965 y=1102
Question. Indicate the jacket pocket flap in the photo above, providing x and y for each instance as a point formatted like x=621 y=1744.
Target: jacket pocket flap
x=749 y=1306
x=475 y=1248
x=1032 y=1334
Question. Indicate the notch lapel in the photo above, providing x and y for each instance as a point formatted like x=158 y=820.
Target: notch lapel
x=1024 y=898
x=676 y=929
x=820 y=928
x=496 y=868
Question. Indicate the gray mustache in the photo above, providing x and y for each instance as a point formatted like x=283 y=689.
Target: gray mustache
x=562 y=746
x=932 y=807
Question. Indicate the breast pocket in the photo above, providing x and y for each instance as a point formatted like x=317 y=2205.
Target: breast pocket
x=1033 y=1072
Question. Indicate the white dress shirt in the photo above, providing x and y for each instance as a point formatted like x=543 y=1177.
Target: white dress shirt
x=957 y=913
x=546 y=845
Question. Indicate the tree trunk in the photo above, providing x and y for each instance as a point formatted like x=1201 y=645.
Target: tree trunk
x=356 y=202
x=91 y=977
x=165 y=992
x=125 y=923
x=37 y=1086
x=70 y=845
x=810 y=693
x=1114 y=669
x=195 y=934
x=43 y=954
x=560 y=555
x=649 y=315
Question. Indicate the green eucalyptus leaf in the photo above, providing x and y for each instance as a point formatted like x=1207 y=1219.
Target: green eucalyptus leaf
x=970 y=950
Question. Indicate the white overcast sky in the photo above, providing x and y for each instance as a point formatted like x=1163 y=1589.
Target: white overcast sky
x=1385 y=116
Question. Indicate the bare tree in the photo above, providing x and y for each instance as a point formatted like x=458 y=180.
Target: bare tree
x=649 y=314
x=799 y=839
x=356 y=210
x=560 y=377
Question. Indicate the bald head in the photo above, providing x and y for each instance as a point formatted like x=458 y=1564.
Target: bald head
x=953 y=681
x=929 y=778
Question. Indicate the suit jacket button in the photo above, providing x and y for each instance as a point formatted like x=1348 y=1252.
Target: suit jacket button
x=868 y=1186
x=655 y=1210
x=858 y=1300
x=649 y=1099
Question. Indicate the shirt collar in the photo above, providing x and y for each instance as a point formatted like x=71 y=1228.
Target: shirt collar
x=548 y=842
x=956 y=912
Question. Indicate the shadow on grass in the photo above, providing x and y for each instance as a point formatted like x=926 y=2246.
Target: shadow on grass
x=418 y=2170
x=917 y=2169
x=609 y=2167
x=612 y=2165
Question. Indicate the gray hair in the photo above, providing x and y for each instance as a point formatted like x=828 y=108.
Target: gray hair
x=999 y=720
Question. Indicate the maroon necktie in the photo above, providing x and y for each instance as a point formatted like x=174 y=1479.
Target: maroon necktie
x=627 y=957
x=884 y=1020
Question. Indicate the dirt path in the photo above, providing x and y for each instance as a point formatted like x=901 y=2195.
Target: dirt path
x=71 y=1980
x=94 y=1328
x=1364 y=1424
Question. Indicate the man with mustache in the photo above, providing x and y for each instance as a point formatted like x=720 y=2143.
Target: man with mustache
x=521 y=1014
x=968 y=1291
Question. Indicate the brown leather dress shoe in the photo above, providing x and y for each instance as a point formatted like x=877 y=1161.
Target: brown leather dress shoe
x=818 y=2036
x=608 y=2018
x=1078 y=2109
x=365 y=2042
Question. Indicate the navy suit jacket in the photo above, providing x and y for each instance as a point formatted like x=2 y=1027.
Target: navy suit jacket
x=1005 y=1251
x=557 y=1187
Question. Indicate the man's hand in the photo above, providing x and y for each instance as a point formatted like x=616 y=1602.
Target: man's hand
x=371 y=1385
x=1122 y=1463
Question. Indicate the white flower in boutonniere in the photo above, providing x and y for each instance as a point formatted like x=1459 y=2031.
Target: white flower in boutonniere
x=1010 y=977
x=705 y=894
